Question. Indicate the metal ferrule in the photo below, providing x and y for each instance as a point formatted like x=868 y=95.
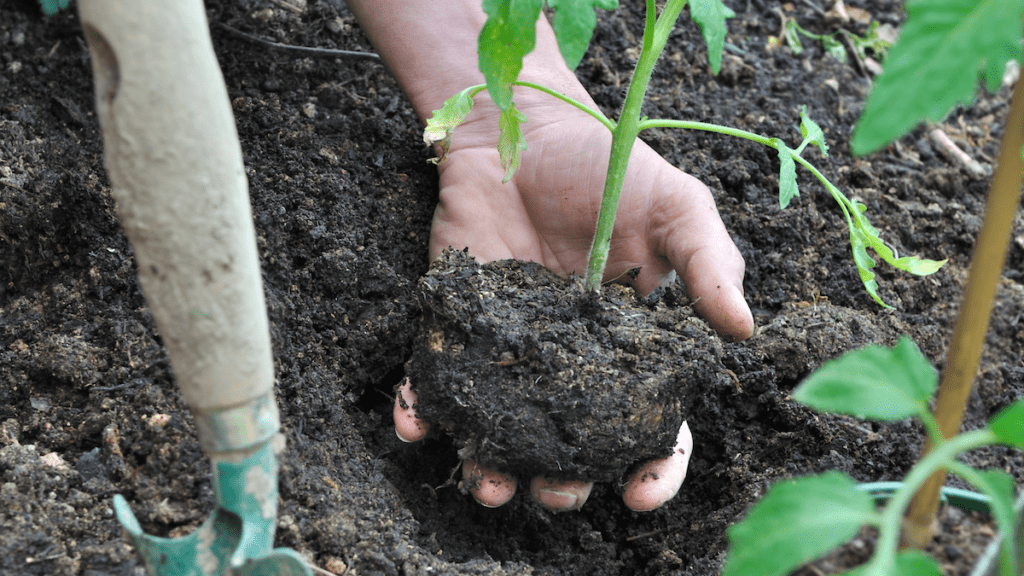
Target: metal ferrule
x=239 y=427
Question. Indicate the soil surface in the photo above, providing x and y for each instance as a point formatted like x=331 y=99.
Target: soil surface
x=342 y=197
x=530 y=372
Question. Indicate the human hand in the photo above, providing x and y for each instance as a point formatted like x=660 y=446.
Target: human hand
x=667 y=223
x=655 y=483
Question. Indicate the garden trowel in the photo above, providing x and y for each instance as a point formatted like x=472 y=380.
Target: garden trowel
x=172 y=153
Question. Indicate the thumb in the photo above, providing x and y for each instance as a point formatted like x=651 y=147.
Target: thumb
x=699 y=248
x=715 y=281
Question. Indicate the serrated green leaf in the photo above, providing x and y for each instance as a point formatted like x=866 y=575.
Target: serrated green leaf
x=834 y=47
x=574 y=22
x=912 y=264
x=863 y=236
x=874 y=383
x=812 y=132
x=792 y=35
x=511 y=142
x=509 y=34
x=907 y=563
x=943 y=47
x=864 y=264
x=860 y=233
x=788 y=188
x=442 y=122
x=795 y=522
x=1008 y=424
x=711 y=15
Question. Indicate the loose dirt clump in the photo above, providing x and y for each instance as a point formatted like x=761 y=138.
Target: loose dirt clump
x=529 y=372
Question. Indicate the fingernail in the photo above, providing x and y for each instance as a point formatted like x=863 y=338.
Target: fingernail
x=489 y=488
x=408 y=427
x=482 y=503
x=557 y=500
x=737 y=305
x=668 y=279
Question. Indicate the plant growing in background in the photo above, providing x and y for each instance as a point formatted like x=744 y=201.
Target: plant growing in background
x=797 y=521
x=831 y=43
x=944 y=47
x=509 y=35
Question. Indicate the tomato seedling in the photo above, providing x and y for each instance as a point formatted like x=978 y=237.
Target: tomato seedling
x=831 y=43
x=799 y=520
x=510 y=33
x=945 y=46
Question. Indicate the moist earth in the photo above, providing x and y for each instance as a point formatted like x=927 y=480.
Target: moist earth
x=342 y=198
x=531 y=372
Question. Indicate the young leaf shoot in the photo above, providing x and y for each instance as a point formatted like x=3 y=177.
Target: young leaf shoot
x=510 y=34
x=944 y=46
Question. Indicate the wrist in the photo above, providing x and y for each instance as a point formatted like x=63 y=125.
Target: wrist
x=433 y=51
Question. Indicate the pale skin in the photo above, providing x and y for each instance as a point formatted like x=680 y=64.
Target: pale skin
x=667 y=220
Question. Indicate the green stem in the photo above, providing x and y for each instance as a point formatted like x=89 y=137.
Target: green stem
x=845 y=203
x=609 y=124
x=1005 y=522
x=940 y=458
x=707 y=127
x=656 y=31
x=769 y=142
x=931 y=427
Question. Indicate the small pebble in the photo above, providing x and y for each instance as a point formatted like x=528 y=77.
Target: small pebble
x=335 y=565
x=158 y=421
x=53 y=459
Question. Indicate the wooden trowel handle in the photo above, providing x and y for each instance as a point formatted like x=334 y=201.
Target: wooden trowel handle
x=173 y=157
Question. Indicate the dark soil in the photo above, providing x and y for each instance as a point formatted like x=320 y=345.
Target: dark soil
x=342 y=196
x=527 y=371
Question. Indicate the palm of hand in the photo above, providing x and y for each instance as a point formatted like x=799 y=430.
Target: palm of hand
x=547 y=213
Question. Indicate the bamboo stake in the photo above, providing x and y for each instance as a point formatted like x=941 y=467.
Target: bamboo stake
x=972 y=324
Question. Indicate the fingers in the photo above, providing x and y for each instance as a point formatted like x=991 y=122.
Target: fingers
x=408 y=427
x=488 y=487
x=654 y=484
x=715 y=281
x=658 y=481
x=560 y=496
x=491 y=489
x=690 y=233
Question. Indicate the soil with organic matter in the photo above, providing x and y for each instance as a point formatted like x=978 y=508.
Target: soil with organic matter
x=342 y=198
x=528 y=371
